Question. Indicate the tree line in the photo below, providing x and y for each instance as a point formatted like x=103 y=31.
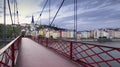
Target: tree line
x=9 y=31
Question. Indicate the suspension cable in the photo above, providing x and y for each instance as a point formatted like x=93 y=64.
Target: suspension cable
x=75 y=19
x=49 y=10
x=42 y=10
x=14 y=11
x=57 y=12
x=49 y=15
x=5 y=30
x=15 y=2
x=11 y=16
x=18 y=17
x=17 y=12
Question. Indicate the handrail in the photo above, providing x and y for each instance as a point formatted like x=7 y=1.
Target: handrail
x=2 y=50
x=89 y=43
x=9 y=53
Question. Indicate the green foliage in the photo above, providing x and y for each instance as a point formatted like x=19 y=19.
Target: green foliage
x=17 y=30
x=1 y=30
x=10 y=31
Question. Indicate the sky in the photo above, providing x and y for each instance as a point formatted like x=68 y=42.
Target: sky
x=92 y=14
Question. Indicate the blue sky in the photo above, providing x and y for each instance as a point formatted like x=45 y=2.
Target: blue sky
x=92 y=14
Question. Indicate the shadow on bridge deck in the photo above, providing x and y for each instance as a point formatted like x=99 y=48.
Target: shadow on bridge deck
x=34 y=55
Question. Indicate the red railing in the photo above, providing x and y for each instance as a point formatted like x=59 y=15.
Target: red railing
x=88 y=55
x=8 y=54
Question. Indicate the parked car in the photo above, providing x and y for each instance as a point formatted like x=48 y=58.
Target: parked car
x=103 y=39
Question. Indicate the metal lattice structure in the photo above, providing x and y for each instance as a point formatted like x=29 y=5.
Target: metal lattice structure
x=84 y=53
x=8 y=54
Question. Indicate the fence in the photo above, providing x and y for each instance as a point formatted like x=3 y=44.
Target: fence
x=8 y=54
x=88 y=55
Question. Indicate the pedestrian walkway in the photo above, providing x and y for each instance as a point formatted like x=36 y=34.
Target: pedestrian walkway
x=34 y=55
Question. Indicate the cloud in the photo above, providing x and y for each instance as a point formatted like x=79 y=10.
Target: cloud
x=91 y=13
x=11 y=1
x=28 y=16
x=1 y=5
x=1 y=11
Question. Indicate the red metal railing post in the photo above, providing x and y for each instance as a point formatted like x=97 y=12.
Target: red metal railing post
x=71 y=50
x=46 y=42
x=13 y=55
x=38 y=40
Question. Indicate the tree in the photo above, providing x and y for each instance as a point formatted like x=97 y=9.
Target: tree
x=1 y=30
x=10 y=31
x=17 y=30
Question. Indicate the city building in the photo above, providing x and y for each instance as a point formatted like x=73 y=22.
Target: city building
x=85 y=34
x=31 y=29
x=117 y=33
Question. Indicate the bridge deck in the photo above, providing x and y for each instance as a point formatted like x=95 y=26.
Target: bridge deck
x=34 y=55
